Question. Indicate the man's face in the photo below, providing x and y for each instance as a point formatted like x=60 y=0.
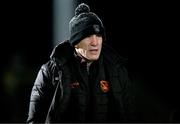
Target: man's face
x=90 y=47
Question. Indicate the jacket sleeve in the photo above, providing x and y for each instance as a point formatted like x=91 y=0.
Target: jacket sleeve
x=128 y=97
x=41 y=96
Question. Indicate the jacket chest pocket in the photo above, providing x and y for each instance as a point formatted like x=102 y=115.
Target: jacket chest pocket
x=78 y=95
x=72 y=89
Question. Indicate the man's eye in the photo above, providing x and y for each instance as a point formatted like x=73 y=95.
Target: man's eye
x=98 y=35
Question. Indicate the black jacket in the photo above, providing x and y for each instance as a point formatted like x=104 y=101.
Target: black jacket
x=49 y=96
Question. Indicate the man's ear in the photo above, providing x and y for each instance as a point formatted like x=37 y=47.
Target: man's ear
x=76 y=46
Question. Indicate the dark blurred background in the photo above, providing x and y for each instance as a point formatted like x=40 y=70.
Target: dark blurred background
x=144 y=32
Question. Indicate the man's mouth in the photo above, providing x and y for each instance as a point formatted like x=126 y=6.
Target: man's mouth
x=93 y=51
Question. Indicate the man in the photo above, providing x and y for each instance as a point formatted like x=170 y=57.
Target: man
x=84 y=80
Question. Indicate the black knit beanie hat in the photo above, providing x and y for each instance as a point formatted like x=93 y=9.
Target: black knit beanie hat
x=84 y=23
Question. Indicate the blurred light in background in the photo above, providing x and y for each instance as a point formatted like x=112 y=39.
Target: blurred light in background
x=63 y=11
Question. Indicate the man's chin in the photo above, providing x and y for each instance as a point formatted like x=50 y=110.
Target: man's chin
x=93 y=58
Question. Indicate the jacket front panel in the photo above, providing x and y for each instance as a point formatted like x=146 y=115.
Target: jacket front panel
x=86 y=101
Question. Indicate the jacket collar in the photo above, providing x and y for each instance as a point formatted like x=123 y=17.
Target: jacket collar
x=62 y=52
x=112 y=56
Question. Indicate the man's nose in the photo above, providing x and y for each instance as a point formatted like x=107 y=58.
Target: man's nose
x=94 y=40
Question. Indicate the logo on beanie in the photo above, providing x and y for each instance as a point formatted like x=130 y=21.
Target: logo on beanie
x=96 y=28
x=104 y=86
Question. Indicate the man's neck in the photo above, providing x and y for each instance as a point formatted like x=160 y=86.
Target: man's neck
x=83 y=60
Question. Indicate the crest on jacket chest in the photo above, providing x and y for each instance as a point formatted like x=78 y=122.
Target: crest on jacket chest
x=104 y=85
